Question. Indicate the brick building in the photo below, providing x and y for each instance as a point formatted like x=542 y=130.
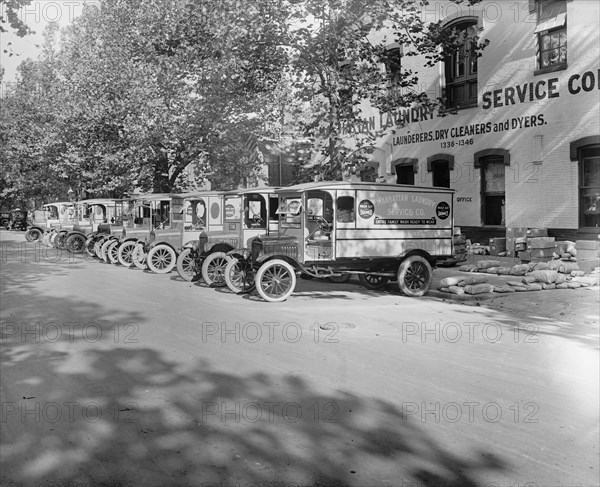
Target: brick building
x=523 y=148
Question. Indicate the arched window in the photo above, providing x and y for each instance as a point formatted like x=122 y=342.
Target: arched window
x=461 y=67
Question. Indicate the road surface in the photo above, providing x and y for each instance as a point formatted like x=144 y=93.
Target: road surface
x=114 y=376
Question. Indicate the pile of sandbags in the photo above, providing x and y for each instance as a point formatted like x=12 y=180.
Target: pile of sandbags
x=466 y=285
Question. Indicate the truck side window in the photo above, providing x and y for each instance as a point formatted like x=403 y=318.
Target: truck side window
x=256 y=213
x=345 y=209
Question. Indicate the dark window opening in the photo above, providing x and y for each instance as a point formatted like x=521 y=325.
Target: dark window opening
x=405 y=174
x=441 y=174
x=273 y=205
x=345 y=209
x=492 y=191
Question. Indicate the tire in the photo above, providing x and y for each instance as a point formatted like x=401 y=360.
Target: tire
x=125 y=253
x=112 y=252
x=60 y=240
x=138 y=257
x=75 y=243
x=344 y=278
x=97 y=246
x=186 y=267
x=161 y=259
x=33 y=235
x=89 y=246
x=372 y=281
x=52 y=238
x=275 y=280
x=104 y=249
x=240 y=276
x=213 y=269
x=415 y=276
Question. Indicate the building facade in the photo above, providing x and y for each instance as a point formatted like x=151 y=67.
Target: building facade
x=520 y=142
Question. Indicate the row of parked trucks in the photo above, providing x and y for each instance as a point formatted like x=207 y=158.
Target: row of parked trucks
x=264 y=238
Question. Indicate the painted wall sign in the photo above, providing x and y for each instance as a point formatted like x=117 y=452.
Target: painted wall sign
x=502 y=97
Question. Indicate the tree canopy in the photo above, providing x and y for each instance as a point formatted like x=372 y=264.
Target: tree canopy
x=158 y=95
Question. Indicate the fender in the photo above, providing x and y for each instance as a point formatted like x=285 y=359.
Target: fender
x=264 y=258
x=37 y=227
x=191 y=244
x=407 y=253
x=240 y=254
x=77 y=232
x=220 y=247
x=161 y=242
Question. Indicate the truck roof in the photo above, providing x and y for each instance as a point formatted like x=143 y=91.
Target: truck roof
x=364 y=186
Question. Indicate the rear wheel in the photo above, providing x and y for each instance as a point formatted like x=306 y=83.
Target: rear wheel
x=75 y=243
x=275 y=280
x=239 y=276
x=415 y=276
x=125 y=252
x=186 y=267
x=373 y=281
x=341 y=279
x=161 y=259
x=213 y=269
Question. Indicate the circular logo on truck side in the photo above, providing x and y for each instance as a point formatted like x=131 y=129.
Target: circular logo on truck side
x=442 y=210
x=366 y=209
x=229 y=211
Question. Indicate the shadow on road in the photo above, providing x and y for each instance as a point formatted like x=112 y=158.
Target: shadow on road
x=150 y=423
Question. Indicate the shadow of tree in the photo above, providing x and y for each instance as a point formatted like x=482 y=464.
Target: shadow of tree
x=130 y=417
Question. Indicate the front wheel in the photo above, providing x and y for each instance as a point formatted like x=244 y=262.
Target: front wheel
x=186 y=265
x=213 y=269
x=373 y=281
x=161 y=259
x=104 y=249
x=33 y=235
x=275 y=280
x=75 y=243
x=112 y=252
x=125 y=253
x=138 y=257
x=415 y=276
x=239 y=276
x=60 y=240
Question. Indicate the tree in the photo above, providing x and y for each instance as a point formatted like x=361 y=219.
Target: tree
x=338 y=48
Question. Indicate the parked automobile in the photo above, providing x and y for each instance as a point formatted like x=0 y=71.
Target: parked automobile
x=246 y=214
x=145 y=215
x=17 y=219
x=50 y=221
x=376 y=231
x=191 y=214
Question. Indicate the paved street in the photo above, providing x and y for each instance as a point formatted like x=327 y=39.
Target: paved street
x=117 y=376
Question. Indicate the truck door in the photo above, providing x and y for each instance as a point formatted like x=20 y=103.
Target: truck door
x=318 y=227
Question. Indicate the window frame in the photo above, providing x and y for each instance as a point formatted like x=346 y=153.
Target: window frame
x=586 y=153
x=540 y=33
x=466 y=79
